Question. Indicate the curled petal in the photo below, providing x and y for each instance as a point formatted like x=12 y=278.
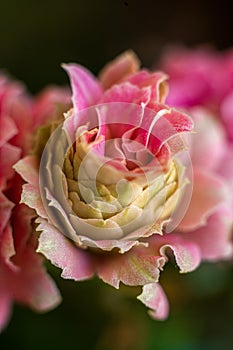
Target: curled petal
x=157 y=83
x=28 y=168
x=85 y=87
x=124 y=65
x=31 y=285
x=31 y=197
x=108 y=245
x=215 y=239
x=126 y=92
x=155 y=299
x=74 y=262
x=209 y=191
x=135 y=268
x=187 y=254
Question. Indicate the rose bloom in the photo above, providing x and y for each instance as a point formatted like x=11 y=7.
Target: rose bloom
x=22 y=276
x=111 y=187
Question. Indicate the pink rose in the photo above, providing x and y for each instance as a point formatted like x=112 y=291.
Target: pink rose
x=112 y=186
x=22 y=276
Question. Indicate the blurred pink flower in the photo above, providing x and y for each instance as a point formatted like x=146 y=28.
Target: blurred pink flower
x=201 y=77
x=201 y=82
x=22 y=276
x=204 y=78
x=84 y=229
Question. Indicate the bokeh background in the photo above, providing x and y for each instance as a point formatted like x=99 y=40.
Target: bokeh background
x=35 y=38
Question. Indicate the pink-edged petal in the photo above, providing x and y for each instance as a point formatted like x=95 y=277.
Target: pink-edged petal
x=187 y=254
x=74 y=262
x=180 y=121
x=32 y=198
x=28 y=169
x=155 y=299
x=127 y=92
x=5 y=308
x=163 y=127
x=157 y=82
x=85 y=87
x=134 y=268
x=215 y=238
x=121 y=67
x=208 y=142
x=209 y=191
x=31 y=285
x=108 y=245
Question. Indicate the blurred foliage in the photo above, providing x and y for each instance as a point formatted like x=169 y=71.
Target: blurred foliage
x=95 y=316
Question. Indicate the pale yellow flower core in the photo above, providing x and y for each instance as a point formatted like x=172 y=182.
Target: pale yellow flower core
x=108 y=196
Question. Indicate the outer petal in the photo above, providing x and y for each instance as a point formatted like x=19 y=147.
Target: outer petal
x=124 y=65
x=74 y=262
x=187 y=254
x=137 y=267
x=209 y=191
x=85 y=87
x=157 y=83
x=108 y=245
x=154 y=298
x=127 y=92
x=28 y=168
x=215 y=239
x=32 y=198
x=208 y=143
x=31 y=285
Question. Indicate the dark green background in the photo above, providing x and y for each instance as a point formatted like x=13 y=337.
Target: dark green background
x=96 y=316
x=35 y=37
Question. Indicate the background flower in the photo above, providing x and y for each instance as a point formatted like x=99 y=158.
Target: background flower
x=22 y=276
x=204 y=77
x=201 y=84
